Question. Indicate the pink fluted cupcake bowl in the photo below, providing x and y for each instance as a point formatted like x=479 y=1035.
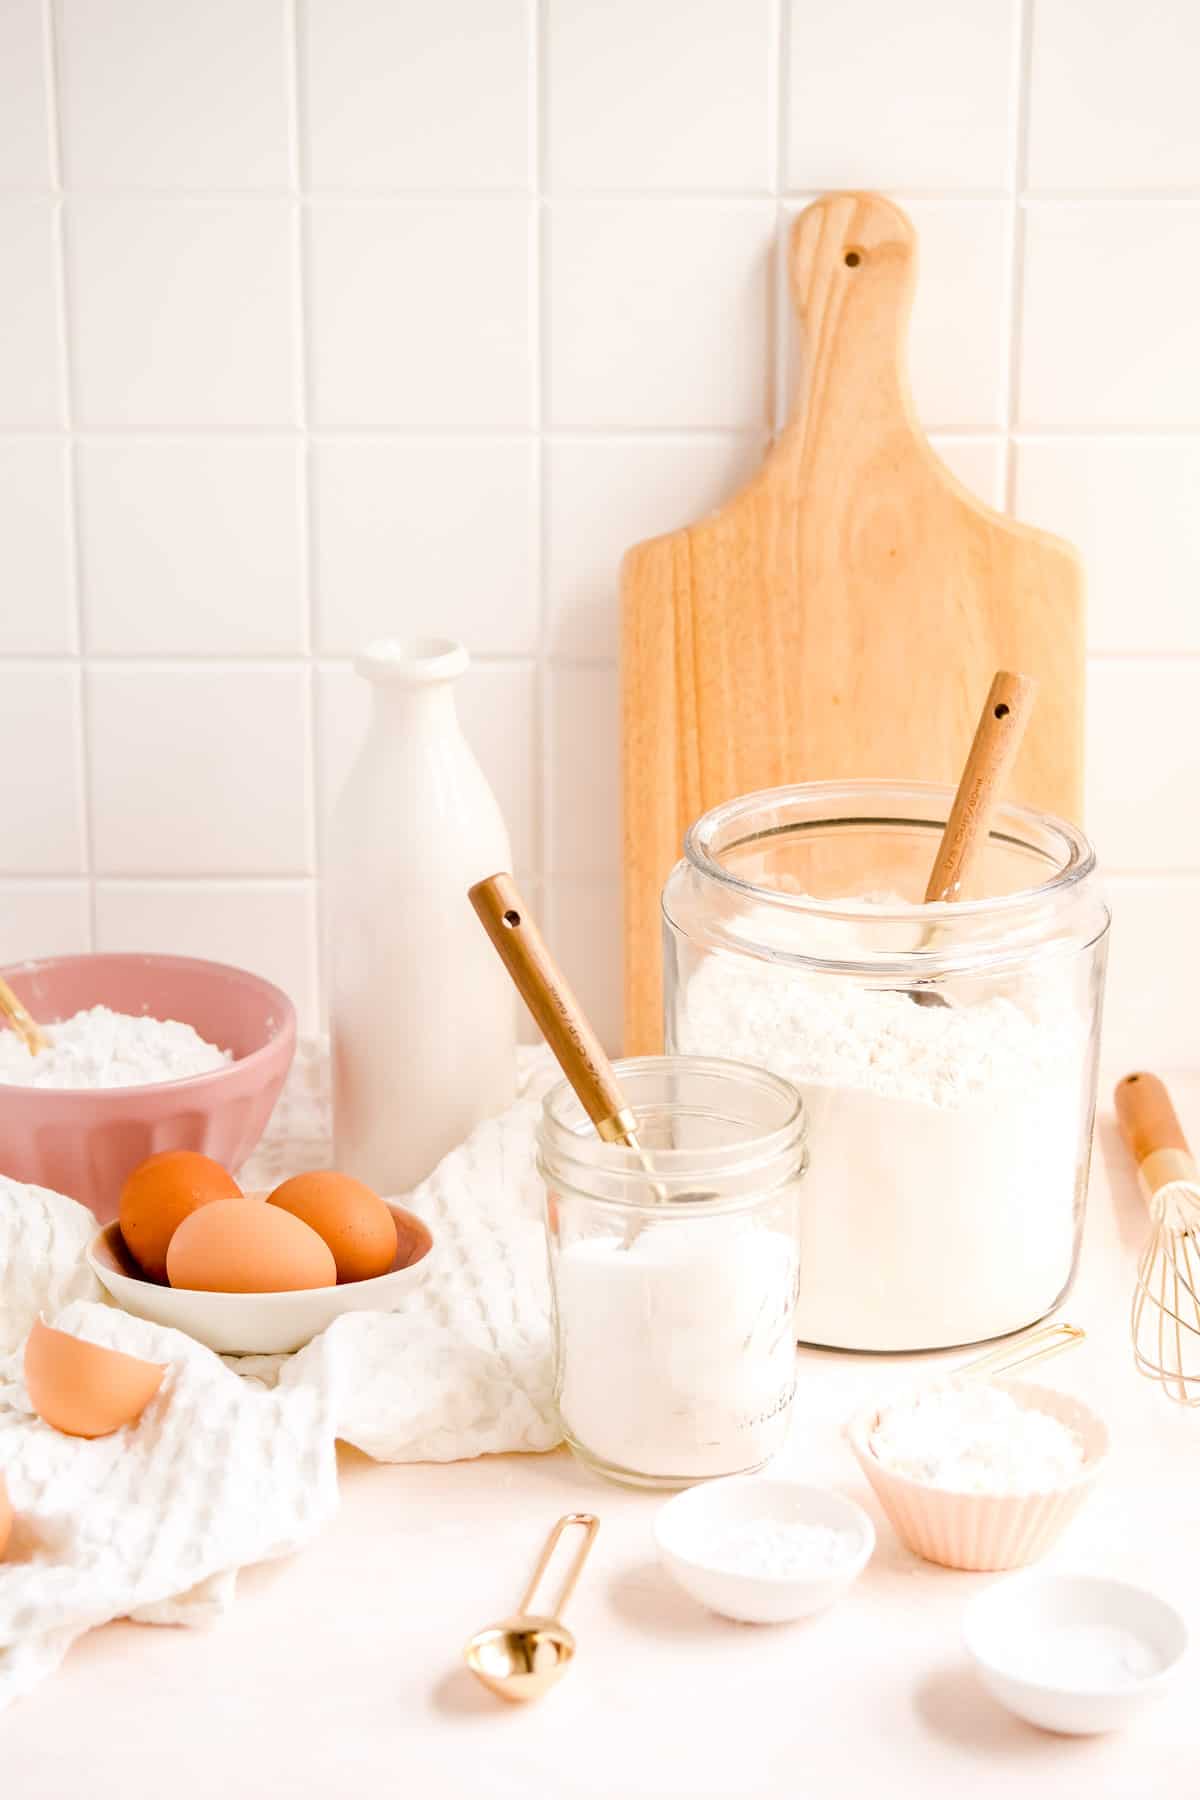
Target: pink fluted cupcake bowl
x=83 y=1142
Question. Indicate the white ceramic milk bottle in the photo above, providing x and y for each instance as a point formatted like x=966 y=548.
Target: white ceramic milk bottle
x=422 y=1011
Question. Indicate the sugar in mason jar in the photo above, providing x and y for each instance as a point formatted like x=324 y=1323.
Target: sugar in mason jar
x=946 y=1054
x=674 y=1295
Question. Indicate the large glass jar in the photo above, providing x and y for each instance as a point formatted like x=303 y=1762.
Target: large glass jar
x=946 y=1054
x=675 y=1289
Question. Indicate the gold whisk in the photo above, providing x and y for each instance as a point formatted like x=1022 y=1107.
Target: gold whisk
x=1165 y=1317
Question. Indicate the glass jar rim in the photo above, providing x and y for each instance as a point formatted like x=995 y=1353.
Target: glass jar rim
x=567 y=1136
x=1078 y=861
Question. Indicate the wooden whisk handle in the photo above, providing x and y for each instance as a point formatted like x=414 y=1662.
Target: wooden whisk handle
x=1150 y=1126
x=993 y=750
x=556 y=1012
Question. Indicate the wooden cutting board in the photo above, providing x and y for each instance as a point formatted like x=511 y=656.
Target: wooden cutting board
x=843 y=615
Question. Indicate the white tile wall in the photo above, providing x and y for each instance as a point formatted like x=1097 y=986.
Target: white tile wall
x=328 y=317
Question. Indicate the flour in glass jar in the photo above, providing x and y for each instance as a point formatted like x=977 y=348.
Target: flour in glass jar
x=941 y=1202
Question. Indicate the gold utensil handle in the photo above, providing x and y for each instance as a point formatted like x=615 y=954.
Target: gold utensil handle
x=1150 y=1126
x=556 y=1012
x=591 y=1526
x=22 y=1022
x=993 y=749
x=1032 y=1346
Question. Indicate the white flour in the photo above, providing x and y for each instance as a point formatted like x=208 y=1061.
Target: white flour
x=976 y=1439
x=102 y=1049
x=775 y=1548
x=940 y=1204
x=677 y=1354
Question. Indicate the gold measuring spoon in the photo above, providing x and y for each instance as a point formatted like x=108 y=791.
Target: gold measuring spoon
x=520 y=1658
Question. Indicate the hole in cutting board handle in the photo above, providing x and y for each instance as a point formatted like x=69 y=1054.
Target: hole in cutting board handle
x=1001 y=711
x=512 y=919
x=852 y=258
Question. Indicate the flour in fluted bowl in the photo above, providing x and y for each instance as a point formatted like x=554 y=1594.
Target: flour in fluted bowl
x=976 y=1439
x=98 y=1048
x=942 y=1202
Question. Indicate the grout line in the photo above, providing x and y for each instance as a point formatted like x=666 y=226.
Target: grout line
x=334 y=662
x=1023 y=52
x=79 y=662
x=418 y=436
x=540 y=310
x=298 y=170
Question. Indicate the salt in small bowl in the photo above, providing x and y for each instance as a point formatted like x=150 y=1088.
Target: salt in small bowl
x=1010 y=1632
x=685 y=1525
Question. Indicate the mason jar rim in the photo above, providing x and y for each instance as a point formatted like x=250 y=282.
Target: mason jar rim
x=584 y=1150
x=1079 y=859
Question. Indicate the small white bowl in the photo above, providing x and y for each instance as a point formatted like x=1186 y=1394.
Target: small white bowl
x=1010 y=1631
x=685 y=1524
x=259 y=1324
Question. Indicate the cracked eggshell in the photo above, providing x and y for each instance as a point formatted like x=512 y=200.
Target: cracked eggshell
x=85 y=1389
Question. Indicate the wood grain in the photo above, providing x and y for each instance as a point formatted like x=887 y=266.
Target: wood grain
x=556 y=1012
x=841 y=616
x=1147 y=1117
x=998 y=735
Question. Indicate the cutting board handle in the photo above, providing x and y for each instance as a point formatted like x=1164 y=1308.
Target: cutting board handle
x=853 y=270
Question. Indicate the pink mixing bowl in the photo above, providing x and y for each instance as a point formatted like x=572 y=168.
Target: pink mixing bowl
x=84 y=1142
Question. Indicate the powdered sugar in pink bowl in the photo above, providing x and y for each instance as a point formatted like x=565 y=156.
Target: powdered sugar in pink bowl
x=83 y=1142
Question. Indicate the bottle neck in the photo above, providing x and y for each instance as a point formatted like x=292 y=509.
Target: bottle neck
x=414 y=707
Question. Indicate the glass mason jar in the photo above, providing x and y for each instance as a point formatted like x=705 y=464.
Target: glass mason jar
x=946 y=1054
x=674 y=1297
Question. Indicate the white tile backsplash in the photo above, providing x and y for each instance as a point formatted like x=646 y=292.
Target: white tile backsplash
x=200 y=771
x=160 y=96
x=1113 y=95
x=422 y=312
x=608 y=493
x=268 y=927
x=40 y=722
x=901 y=96
x=31 y=384
x=677 y=94
x=403 y=96
x=37 y=610
x=1133 y=509
x=192 y=547
x=182 y=310
x=24 y=121
x=660 y=312
x=583 y=825
x=406 y=532
x=1109 y=339
x=332 y=318
x=52 y=916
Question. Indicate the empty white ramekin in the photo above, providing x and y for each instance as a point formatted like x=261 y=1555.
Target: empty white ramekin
x=985 y=1531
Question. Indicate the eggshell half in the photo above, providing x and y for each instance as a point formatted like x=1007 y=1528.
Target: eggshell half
x=243 y=1247
x=160 y=1194
x=349 y=1216
x=6 y=1518
x=86 y=1389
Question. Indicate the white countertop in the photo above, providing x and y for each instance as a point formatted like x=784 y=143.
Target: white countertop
x=341 y=1664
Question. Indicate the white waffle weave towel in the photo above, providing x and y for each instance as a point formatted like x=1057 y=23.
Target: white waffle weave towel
x=234 y=1461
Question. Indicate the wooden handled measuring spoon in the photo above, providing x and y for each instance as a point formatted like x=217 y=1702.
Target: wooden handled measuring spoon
x=562 y=1022
x=993 y=750
x=22 y=1022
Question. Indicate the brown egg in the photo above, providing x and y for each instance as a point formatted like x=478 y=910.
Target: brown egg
x=160 y=1194
x=350 y=1217
x=243 y=1247
x=6 y=1518
x=86 y=1389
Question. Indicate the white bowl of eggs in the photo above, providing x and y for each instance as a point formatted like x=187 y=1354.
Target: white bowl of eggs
x=254 y=1274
